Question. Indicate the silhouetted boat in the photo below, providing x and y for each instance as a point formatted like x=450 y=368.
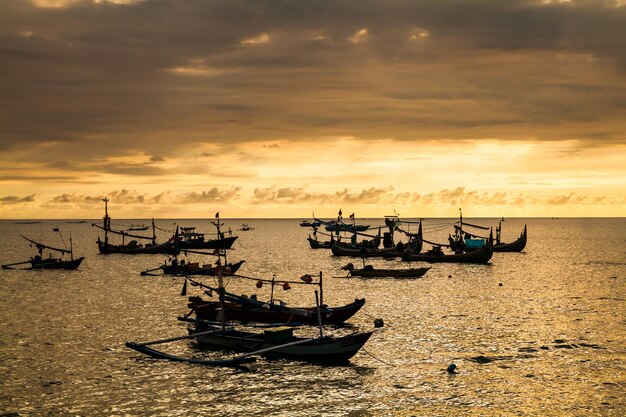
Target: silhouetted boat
x=133 y=247
x=283 y=343
x=190 y=239
x=39 y=262
x=436 y=255
x=182 y=268
x=249 y=309
x=368 y=271
x=515 y=246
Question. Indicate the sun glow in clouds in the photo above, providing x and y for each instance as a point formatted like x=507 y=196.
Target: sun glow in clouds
x=359 y=37
x=260 y=39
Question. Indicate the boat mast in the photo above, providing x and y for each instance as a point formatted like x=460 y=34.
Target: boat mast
x=71 y=248
x=106 y=220
x=153 y=232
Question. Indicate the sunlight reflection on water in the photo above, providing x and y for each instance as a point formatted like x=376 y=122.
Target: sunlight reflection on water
x=549 y=340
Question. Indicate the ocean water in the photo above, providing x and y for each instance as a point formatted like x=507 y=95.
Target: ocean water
x=541 y=332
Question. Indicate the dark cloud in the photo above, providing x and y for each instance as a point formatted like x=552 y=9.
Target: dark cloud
x=13 y=199
x=157 y=158
x=93 y=80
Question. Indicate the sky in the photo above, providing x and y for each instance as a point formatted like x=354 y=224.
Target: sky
x=179 y=109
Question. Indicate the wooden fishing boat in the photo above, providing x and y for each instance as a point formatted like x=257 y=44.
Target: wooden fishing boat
x=250 y=310
x=340 y=226
x=436 y=255
x=283 y=343
x=368 y=271
x=182 y=268
x=39 y=262
x=137 y=228
x=400 y=249
x=515 y=246
x=309 y=223
x=190 y=239
x=316 y=244
x=133 y=247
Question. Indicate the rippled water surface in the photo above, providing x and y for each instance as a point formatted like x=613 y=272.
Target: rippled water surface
x=536 y=333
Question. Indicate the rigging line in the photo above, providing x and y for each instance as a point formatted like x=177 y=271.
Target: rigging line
x=378 y=359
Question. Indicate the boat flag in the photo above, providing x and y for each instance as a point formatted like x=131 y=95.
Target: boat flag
x=306 y=278
x=217 y=215
x=286 y=286
x=340 y=212
x=259 y=284
x=352 y=216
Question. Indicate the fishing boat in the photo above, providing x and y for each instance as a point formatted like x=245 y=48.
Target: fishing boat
x=40 y=262
x=190 y=239
x=277 y=342
x=436 y=255
x=413 y=246
x=249 y=309
x=310 y=223
x=340 y=226
x=317 y=244
x=133 y=247
x=182 y=268
x=137 y=228
x=368 y=271
x=245 y=228
x=516 y=246
x=282 y=343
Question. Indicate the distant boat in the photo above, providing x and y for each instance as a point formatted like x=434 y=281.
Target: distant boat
x=76 y=221
x=28 y=222
x=39 y=262
x=368 y=271
x=245 y=228
x=133 y=247
x=436 y=255
x=137 y=227
x=190 y=239
x=309 y=223
x=517 y=245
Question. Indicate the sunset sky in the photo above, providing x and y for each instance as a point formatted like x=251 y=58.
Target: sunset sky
x=178 y=109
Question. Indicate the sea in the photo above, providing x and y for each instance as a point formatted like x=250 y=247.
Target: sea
x=537 y=333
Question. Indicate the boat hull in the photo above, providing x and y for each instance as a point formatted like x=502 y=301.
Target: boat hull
x=327 y=349
x=224 y=243
x=516 y=246
x=316 y=244
x=339 y=250
x=57 y=264
x=394 y=273
x=164 y=248
x=274 y=313
x=207 y=271
x=479 y=256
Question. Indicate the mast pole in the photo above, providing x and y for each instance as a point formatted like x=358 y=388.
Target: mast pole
x=321 y=290
x=106 y=221
x=153 y=232
x=71 y=248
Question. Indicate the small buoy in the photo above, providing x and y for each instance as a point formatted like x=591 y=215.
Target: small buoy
x=500 y=284
x=379 y=323
x=449 y=276
x=451 y=368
